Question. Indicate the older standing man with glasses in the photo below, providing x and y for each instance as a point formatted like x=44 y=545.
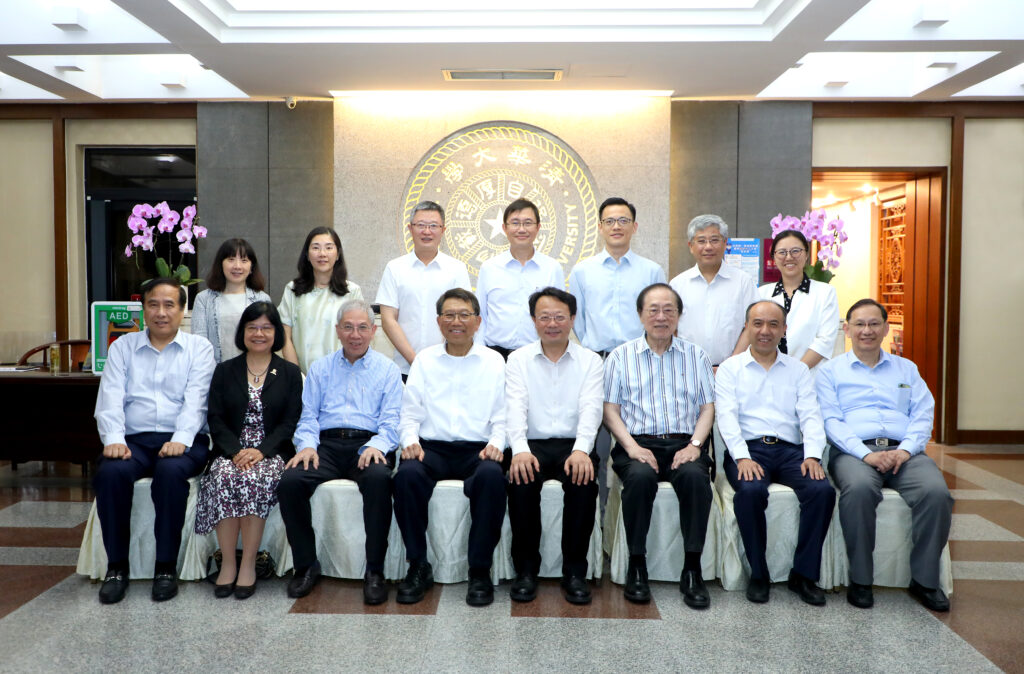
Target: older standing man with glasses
x=411 y=283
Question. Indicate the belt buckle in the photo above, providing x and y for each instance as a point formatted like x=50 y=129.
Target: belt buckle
x=769 y=440
x=881 y=442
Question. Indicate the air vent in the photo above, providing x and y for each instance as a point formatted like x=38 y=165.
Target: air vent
x=491 y=74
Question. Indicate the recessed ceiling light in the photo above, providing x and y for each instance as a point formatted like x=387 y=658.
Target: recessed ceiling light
x=836 y=84
x=492 y=74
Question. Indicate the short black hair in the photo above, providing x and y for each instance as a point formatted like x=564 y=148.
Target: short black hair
x=519 y=205
x=787 y=233
x=746 y=315
x=565 y=298
x=643 y=296
x=458 y=294
x=867 y=302
x=251 y=313
x=152 y=284
x=616 y=201
x=234 y=247
x=427 y=206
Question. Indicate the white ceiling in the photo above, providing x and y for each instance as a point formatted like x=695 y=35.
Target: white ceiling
x=92 y=50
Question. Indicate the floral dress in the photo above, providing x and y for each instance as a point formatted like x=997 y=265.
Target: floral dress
x=226 y=491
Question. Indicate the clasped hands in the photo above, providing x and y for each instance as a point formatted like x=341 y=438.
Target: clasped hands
x=644 y=455
x=888 y=459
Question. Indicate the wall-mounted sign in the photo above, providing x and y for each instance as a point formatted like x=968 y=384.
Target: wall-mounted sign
x=477 y=171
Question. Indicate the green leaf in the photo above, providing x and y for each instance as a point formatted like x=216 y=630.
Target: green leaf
x=183 y=274
x=163 y=270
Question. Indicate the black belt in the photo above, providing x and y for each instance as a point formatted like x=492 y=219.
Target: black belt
x=767 y=440
x=502 y=350
x=882 y=442
x=603 y=354
x=345 y=434
x=663 y=436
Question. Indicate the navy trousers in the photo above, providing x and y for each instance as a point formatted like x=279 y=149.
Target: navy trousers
x=115 y=485
x=484 y=485
x=781 y=462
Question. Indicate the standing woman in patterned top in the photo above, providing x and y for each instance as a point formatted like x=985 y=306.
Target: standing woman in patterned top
x=310 y=303
x=254 y=406
x=812 y=309
x=234 y=282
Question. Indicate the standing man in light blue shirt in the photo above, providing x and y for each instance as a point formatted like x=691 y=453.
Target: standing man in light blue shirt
x=878 y=417
x=348 y=429
x=607 y=284
x=508 y=279
x=151 y=416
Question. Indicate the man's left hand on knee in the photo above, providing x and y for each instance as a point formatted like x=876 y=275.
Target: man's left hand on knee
x=172 y=449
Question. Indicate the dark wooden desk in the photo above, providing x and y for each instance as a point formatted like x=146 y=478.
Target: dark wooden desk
x=49 y=418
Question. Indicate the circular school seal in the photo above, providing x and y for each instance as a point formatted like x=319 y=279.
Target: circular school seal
x=477 y=171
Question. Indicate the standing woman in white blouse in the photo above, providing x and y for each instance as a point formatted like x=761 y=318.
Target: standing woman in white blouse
x=310 y=303
x=234 y=282
x=812 y=318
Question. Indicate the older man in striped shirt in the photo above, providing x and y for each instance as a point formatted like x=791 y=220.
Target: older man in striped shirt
x=659 y=406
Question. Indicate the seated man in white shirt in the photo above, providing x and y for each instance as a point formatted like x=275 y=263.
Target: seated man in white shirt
x=452 y=427
x=553 y=402
x=507 y=280
x=151 y=416
x=769 y=419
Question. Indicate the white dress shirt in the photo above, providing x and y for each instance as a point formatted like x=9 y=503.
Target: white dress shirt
x=813 y=319
x=545 y=399
x=451 y=398
x=504 y=288
x=412 y=288
x=606 y=293
x=713 y=312
x=146 y=390
x=751 y=402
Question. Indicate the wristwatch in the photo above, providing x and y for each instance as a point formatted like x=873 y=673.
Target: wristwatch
x=695 y=444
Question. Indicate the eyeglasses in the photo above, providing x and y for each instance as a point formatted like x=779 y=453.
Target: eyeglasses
x=714 y=241
x=792 y=252
x=622 y=222
x=860 y=325
x=426 y=226
x=449 y=317
x=558 y=319
x=668 y=311
x=362 y=328
x=253 y=329
x=516 y=224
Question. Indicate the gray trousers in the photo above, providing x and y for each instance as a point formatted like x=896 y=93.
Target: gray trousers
x=920 y=483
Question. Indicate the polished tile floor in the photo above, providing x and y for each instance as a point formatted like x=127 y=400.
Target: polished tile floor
x=50 y=619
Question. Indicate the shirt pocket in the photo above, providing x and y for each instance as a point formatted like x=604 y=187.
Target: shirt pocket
x=903 y=399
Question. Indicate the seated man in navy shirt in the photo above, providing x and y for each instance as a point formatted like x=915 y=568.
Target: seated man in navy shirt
x=151 y=417
x=348 y=429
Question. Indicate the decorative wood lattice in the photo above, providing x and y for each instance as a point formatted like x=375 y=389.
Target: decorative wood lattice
x=892 y=264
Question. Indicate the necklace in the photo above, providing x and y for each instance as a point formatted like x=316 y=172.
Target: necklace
x=256 y=376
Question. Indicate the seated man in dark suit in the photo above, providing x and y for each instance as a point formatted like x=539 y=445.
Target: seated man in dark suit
x=151 y=414
x=453 y=427
x=348 y=429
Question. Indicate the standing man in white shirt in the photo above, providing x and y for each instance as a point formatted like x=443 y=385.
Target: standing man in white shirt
x=715 y=294
x=413 y=282
x=151 y=416
x=769 y=419
x=553 y=398
x=606 y=285
x=452 y=427
x=507 y=280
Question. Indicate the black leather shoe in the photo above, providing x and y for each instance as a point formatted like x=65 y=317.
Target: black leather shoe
x=637 y=588
x=375 y=590
x=860 y=596
x=806 y=588
x=418 y=580
x=165 y=586
x=481 y=590
x=575 y=590
x=245 y=591
x=933 y=600
x=757 y=590
x=302 y=584
x=115 y=585
x=524 y=587
x=695 y=592
x=225 y=590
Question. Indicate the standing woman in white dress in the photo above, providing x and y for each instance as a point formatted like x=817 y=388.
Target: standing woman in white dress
x=310 y=303
x=812 y=309
x=234 y=282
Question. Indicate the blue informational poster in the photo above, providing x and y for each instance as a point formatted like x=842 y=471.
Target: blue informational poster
x=745 y=254
x=110 y=320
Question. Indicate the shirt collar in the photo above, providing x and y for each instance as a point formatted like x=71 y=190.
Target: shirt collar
x=747 y=357
x=629 y=257
x=506 y=259
x=342 y=361
x=413 y=260
x=179 y=339
x=676 y=345
x=805 y=286
x=883 y=357
x=537 y=351
x=693 y=273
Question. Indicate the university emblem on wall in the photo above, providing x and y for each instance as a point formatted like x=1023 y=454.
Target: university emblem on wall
x=477 y=171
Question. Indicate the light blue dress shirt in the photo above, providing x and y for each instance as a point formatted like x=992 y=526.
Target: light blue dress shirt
x=659 y=394
x=504 y=288
x=889 y=400
x=606 y=293
x=146 y=390
x=364 y=395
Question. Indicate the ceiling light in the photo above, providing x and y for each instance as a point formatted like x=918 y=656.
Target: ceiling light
x=948 y=65
x=68 y=17
x=173 y=79
x=490 y=74
x=836 y=84
x=931 y=14
x=68 y=65
x=866 y=188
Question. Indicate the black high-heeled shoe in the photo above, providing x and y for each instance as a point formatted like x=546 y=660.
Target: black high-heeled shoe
x=223 y=591
x=244 y=591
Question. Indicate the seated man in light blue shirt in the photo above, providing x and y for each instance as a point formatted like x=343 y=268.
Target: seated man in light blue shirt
x=878 y=417
x=348 y=429
x=151 y=416
x=769 y=418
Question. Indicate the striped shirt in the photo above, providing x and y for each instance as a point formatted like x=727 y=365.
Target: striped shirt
x=659 y=394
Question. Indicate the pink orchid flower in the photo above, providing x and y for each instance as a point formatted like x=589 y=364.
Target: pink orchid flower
x=199 y=231
x=136 y=223
x=147 y=241
x=138 y=239
x=189 y=212
x=128 y=250
x=187 y=247
x=143 y=211
x=162 y=208
x=184 y=235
